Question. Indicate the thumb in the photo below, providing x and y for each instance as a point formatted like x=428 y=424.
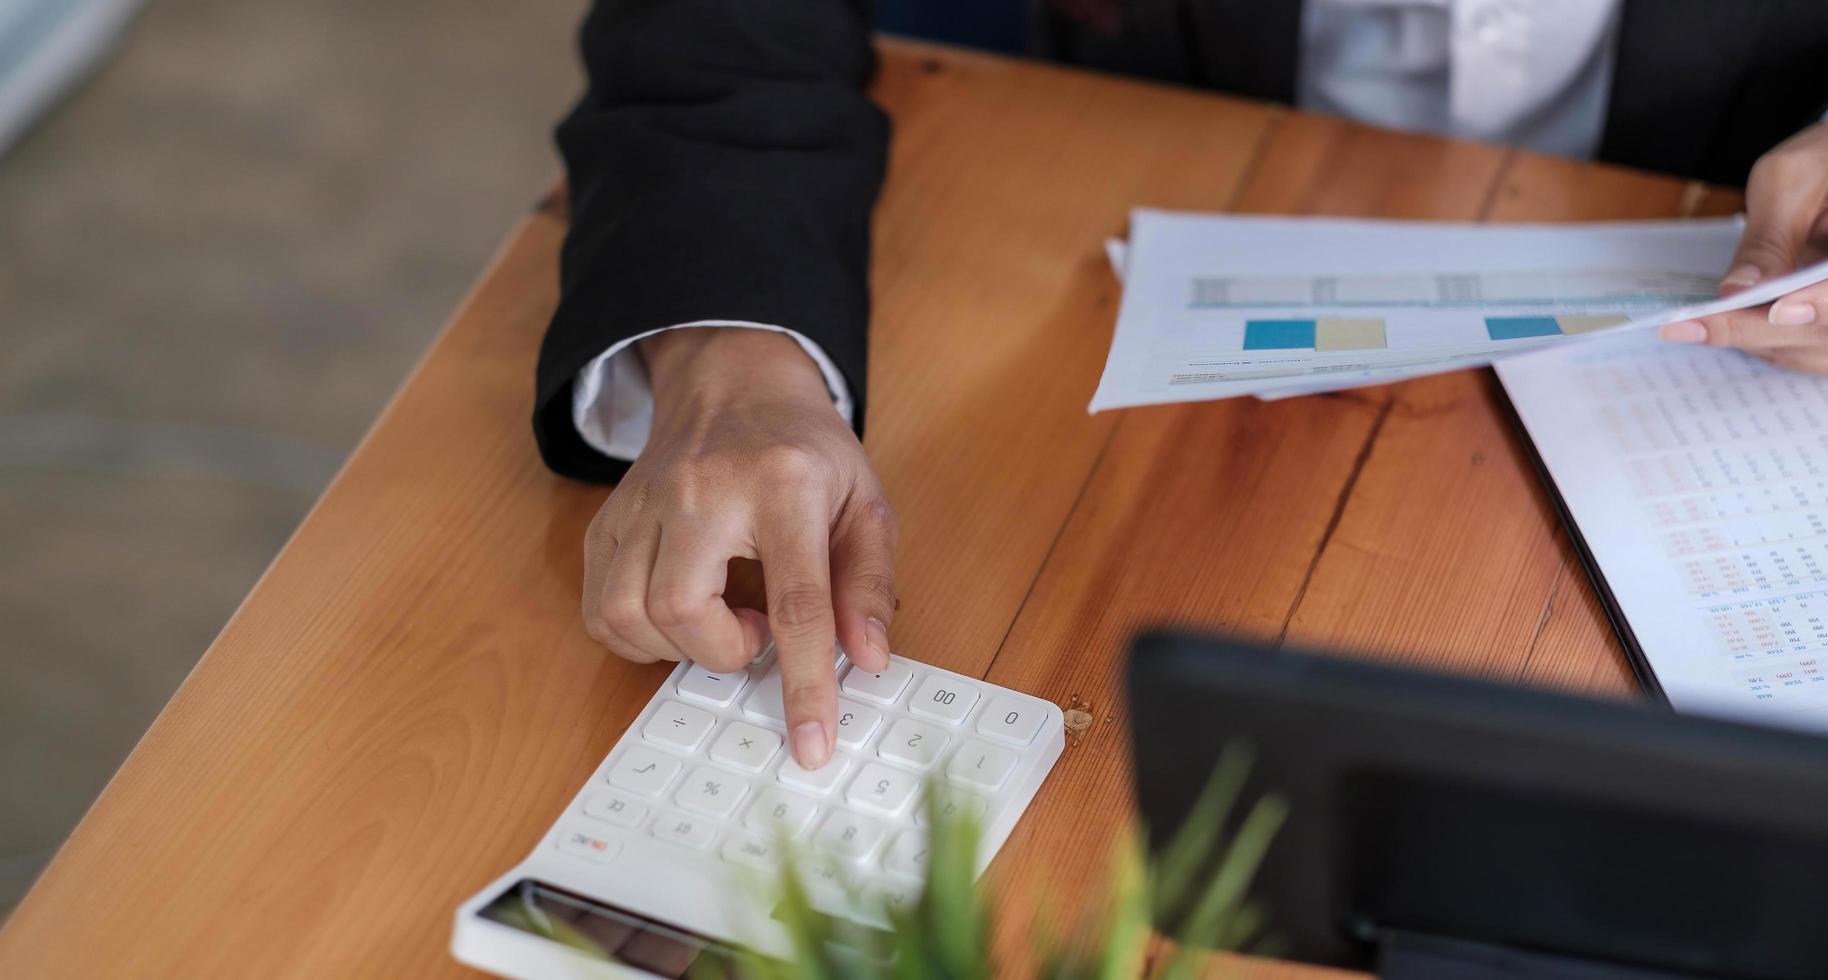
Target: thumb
x=1781 y=213
x=863 y=582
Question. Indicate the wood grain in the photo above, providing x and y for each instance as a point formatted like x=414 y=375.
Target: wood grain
x=1449 y=553
x=994 y=310
x=1206 y=515
x=407 y=697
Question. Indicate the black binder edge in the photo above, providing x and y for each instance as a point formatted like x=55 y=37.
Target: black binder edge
x=1621 y=627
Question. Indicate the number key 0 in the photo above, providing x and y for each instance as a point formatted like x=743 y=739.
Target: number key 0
x=1011 y=720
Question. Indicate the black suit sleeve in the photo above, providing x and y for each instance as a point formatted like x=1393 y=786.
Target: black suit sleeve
x=722 y=165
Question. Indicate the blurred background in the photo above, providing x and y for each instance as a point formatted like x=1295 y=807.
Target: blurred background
x=221 y=249
x=227 y=230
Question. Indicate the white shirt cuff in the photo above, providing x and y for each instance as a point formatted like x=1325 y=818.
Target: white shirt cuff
x=612 y=403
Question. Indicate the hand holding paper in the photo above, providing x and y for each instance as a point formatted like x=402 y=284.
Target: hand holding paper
x=1786 y=228
x=1217 y=306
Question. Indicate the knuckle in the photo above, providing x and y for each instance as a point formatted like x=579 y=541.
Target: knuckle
x=875 y=587
x=600 y=537
x=791 y=464
x=878 y=512
x=595 y=629
x=620 y=611
x=672 y=608
x=802 y=693
x=798 y=607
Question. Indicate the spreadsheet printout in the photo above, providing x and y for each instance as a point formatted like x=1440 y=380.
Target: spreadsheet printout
x=1698 y=479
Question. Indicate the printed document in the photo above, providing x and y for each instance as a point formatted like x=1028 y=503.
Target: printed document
x=1216 y=306
x=1698 y=478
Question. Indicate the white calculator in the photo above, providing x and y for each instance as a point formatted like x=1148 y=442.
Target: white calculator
x=658 y=859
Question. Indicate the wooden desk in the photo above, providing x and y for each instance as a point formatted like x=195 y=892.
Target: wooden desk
x=407 y=697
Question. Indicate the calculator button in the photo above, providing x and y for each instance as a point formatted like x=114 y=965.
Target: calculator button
x=615 y=808
x=908 y=855
x=882 y=789
x=712 y=688
x=678 y=725
x=776 y=811
x=693 y=833
x=828 y=887
x=882 y=688
x=756 y=852
x=765 y=701
x=953 y=804
x=745 y=746
x=982 y=765
x=588 y=845
x=848 y=835
x=893 y=896
x=645 y=771
x=856 y=723
x=820 y=780
x=712 y=792
x=912 y=744
x=1010 y=720
x=943 y=698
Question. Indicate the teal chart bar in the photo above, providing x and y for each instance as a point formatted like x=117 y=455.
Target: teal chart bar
x=1519 y=327
x=1278 y=334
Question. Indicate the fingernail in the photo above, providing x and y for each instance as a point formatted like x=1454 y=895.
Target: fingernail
x=878 y=636
x=1683 y=332
x=809 y=746
x=1742 y=276
x=1792 y=314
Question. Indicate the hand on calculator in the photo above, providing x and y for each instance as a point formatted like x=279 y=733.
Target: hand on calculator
x=746 y=459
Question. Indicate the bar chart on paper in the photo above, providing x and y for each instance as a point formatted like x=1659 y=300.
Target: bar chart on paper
x=1447 y=312
x=1216 y=306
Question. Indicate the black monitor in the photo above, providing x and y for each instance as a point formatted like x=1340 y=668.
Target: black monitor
x=1446 y=827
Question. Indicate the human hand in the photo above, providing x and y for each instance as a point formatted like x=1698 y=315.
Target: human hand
x=1786 y=229
x=746 y=459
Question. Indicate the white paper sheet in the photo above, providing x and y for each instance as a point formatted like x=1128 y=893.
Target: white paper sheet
x=1217 y=306
x=1699 y=480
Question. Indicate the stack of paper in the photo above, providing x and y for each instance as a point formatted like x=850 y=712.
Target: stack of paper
x=1216 y=306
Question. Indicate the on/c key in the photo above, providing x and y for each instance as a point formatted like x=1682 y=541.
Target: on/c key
x=588 y=845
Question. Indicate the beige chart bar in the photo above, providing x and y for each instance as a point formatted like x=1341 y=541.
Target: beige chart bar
x=1349 y=334
x=1588 y=322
